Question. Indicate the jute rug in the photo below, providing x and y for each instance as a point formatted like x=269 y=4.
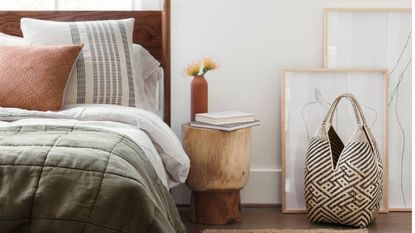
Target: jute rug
x=287 y=231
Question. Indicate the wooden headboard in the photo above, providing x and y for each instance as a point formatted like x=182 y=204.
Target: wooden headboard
x=151 y=30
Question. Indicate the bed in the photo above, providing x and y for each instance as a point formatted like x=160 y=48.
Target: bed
x=92 y=167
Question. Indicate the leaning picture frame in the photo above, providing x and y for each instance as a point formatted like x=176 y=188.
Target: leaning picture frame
x=306 y=95
x=380 y=38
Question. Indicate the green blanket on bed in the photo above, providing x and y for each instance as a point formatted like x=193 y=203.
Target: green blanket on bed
x=71 y=179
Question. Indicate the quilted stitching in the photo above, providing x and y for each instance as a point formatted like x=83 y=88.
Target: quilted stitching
x=123 y=181
x=100 y=184
x=41 y=172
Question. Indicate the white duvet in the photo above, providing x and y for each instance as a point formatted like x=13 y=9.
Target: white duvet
x=160 y=144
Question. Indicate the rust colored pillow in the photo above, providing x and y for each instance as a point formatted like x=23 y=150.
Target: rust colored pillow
x=34 y=77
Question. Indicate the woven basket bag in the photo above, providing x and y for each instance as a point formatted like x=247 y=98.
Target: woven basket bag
x=343 y=183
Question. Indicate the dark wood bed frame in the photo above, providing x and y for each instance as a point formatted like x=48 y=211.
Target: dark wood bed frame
x=151 y=30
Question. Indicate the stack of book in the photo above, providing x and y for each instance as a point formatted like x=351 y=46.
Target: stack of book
x=227 y=121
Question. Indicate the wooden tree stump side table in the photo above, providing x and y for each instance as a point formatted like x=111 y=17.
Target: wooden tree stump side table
x=219 y=169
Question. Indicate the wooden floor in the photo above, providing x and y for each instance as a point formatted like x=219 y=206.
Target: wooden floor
x=266 y=218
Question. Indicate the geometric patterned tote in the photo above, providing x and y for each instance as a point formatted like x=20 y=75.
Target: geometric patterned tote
x=343 y=183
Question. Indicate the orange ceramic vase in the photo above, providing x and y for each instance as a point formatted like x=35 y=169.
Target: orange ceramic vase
x=199 y=96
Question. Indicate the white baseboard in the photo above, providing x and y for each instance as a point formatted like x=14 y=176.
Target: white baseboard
x=264 y=187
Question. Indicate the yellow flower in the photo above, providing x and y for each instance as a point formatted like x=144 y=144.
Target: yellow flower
x=193 y=69
x=209 y=64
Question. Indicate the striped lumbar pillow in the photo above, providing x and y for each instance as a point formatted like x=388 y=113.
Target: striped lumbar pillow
x=103 y=73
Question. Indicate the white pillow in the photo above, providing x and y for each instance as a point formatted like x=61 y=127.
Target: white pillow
x=104 y=70
x=144 y=61
x=6 y=39
x=147 y=72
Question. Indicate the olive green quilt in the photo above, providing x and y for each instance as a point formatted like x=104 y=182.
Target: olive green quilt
x=76 y=179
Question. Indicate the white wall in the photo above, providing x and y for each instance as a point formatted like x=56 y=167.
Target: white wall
x=252 y=40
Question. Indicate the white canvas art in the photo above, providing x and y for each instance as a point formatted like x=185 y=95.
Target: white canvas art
x=307 y=95
x=380 y=38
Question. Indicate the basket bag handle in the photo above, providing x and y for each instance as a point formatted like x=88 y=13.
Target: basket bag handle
x=358 y=112
x=360 y=118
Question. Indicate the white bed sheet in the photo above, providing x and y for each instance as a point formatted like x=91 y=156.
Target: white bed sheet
x=158 y=141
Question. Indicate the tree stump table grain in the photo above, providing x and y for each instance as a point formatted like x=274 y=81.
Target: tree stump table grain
x=219 y=169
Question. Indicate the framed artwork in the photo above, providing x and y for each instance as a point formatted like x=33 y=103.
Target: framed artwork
x=380 y=38
x=306 y=96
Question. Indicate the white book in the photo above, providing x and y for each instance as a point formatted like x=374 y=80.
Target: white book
x=226 y=127
x=221 y=118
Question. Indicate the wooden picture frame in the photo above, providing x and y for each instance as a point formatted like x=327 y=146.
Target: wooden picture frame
x=374 y=38
x=327 y=11
x=296 y=95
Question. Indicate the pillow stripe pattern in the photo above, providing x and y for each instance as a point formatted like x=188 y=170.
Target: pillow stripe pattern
x=103 y=73
x=110 y=39
x=128 y=59
x=96 y=56
x=117 y=57
x=104 y=42
x=80 y=65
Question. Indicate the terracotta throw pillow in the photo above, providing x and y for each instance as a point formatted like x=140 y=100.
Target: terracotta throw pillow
x=34 y=77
